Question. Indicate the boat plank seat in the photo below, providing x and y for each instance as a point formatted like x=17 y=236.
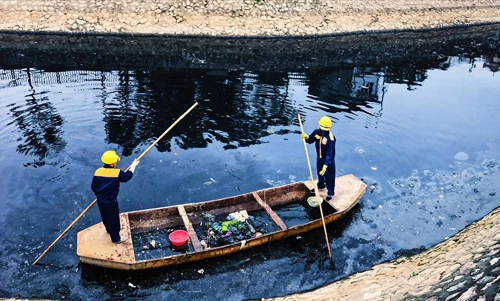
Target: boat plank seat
x=347 y=188
x=95 y=242
x=189 y=227
x=276 y=219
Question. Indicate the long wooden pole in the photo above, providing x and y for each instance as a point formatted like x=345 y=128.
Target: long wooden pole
x=316 y=192
x=93 y=203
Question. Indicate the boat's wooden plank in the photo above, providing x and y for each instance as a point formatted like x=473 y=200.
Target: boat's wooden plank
x=94 y=242
x=348 y=189
x=270 y=211
x=189 y=227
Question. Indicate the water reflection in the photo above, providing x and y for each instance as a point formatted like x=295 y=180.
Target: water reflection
x=40 y=126
x=240 y=107
x=492 y=61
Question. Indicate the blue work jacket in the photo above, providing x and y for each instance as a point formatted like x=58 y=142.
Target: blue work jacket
x=324 y=142
x=106 y=183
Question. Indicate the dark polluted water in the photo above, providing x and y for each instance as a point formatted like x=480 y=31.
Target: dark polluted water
x=415 y=116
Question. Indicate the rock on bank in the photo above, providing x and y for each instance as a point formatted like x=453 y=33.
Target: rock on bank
x=241 y=17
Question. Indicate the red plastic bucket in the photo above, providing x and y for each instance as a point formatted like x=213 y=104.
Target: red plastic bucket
x=178 y=237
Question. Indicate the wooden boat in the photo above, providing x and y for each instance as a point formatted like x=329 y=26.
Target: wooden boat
x=95 y=247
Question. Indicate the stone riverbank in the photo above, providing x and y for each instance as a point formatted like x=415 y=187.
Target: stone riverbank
x=241 y=17
x=466 y=267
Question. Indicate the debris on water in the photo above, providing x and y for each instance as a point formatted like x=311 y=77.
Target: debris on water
x=63 y=290
x=461 y=156
x=299 y=237
x=359 y=150
x=201 y=271
x=212 y=180
x=131 y=285
x=372 y=188
x=374 y=168
x=208 y=183
x=153 y=243
x=257 y=234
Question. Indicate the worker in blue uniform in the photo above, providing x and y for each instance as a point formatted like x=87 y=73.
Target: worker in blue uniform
x=106 y=185
x=325 y=159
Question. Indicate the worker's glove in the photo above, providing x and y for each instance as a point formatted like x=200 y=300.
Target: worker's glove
x=305 y=136
x=323 y=170
x=134 y=165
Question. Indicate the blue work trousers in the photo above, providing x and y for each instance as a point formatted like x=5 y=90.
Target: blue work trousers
x=110 y=214
x=328 y=179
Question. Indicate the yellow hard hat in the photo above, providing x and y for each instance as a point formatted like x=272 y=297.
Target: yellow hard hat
x=325 y=123
x=110 y=157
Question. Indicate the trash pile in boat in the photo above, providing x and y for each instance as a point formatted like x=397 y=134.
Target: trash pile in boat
x=215 y=231
x=156 y=243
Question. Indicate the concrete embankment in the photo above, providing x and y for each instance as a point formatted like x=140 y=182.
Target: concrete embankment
x=241 y=17
x=465 y=267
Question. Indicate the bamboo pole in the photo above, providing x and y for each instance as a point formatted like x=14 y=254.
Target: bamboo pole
x=95 y=201
x=316 y=192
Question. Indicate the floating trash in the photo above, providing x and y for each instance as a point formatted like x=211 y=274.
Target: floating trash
x=461 y=156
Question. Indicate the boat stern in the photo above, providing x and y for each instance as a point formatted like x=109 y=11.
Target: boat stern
x=94 y=246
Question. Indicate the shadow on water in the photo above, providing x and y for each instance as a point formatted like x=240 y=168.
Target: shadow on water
x=65 y=99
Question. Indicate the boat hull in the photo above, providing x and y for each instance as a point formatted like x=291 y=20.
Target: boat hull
x=95 y=248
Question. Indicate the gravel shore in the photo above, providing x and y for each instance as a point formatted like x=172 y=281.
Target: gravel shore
x=242 y=18
x=465 y=267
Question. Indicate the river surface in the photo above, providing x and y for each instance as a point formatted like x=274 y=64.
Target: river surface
x=420 y=126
